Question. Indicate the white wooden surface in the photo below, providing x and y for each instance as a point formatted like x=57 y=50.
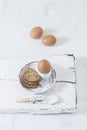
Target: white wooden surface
x=67 y=20
x=65 y=87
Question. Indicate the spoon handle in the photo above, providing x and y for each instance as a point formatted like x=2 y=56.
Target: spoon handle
x=22 y=100
x=27 y=100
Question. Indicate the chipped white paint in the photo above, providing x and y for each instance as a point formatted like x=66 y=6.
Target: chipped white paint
x=67 y=20
x=11 y=89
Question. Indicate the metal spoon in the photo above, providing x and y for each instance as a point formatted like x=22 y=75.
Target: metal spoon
x=50 y=99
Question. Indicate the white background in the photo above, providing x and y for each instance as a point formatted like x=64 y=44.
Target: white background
x=67 y=20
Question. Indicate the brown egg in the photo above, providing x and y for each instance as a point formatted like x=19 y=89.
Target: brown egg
x=44 y=66
x=49 y=40
x=36 y=32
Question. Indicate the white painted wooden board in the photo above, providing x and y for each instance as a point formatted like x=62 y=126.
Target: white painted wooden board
x=11 y=89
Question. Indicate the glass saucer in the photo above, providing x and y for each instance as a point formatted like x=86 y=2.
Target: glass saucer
x=47 y=80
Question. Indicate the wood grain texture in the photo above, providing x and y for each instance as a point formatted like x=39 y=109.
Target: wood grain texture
x=11 y=89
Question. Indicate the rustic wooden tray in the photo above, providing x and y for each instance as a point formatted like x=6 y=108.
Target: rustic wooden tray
x=11 y=89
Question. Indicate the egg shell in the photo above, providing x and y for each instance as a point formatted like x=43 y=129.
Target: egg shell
x=49 y=40
x=36 y=32
x=44 y=66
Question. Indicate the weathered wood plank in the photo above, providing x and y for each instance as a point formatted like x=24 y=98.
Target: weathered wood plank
x=11 y=89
